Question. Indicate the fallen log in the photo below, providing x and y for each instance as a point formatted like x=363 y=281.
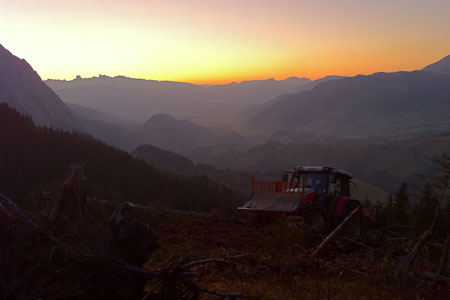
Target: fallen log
x=14 y=212
x=223 y=295
x=149 y=293
x=204 y=261
x=444 y=263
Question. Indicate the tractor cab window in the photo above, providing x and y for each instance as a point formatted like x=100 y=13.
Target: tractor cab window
x=336 y=188
x=315 y=181
x=339 y=187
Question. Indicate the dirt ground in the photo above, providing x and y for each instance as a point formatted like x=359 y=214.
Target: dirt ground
x=271 y=261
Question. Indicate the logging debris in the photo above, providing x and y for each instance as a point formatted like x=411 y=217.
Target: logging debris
x=110 y=250
x=65 y=253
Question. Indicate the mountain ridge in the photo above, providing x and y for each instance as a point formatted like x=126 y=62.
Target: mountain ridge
x=22 y=88
x=179 y=99
x=364 y=104
x=441 y=66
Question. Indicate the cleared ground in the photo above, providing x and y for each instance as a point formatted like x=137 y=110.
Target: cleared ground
x=271 y=261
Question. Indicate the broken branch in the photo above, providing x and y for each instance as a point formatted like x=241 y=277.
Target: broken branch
x=234 y=295
x=333 y=233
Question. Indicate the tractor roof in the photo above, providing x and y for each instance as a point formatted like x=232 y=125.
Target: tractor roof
x=323 y=169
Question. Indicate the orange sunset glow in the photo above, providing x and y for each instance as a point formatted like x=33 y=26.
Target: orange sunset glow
x=221 y=41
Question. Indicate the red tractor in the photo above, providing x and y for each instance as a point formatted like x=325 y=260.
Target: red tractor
x=321 y=195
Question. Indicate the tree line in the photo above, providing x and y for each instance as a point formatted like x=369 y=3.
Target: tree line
x=414 y=212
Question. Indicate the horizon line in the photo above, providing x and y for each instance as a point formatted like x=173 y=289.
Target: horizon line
x=224 y=82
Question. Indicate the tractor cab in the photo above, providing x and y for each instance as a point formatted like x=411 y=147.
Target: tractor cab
x=325 y=182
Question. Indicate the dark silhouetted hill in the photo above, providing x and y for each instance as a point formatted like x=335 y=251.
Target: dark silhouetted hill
x=170 y=133
x=22 y=88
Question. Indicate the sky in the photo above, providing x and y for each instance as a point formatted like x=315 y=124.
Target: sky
x=209 y=41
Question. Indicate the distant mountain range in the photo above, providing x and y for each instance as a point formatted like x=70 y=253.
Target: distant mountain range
x=22 y=88
x=377 y=105
x=133 y=100
x=257 y=108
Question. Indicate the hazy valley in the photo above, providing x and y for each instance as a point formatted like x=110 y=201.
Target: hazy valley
x=268 y=125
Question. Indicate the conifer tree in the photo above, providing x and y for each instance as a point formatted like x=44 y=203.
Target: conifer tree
x=400 y=209
x=389 y=210
x=425 y=208
x=381 y=213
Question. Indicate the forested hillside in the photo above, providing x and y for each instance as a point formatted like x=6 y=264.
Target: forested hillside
x=177 y=163
x=382 y=163
x=34 y=157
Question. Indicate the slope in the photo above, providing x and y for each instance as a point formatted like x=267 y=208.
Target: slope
x=167 y=132
x=441 y=66
x=22 y=88
x=177 y=163
x=382 y=104
x=163 y=159
x=107 y=128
